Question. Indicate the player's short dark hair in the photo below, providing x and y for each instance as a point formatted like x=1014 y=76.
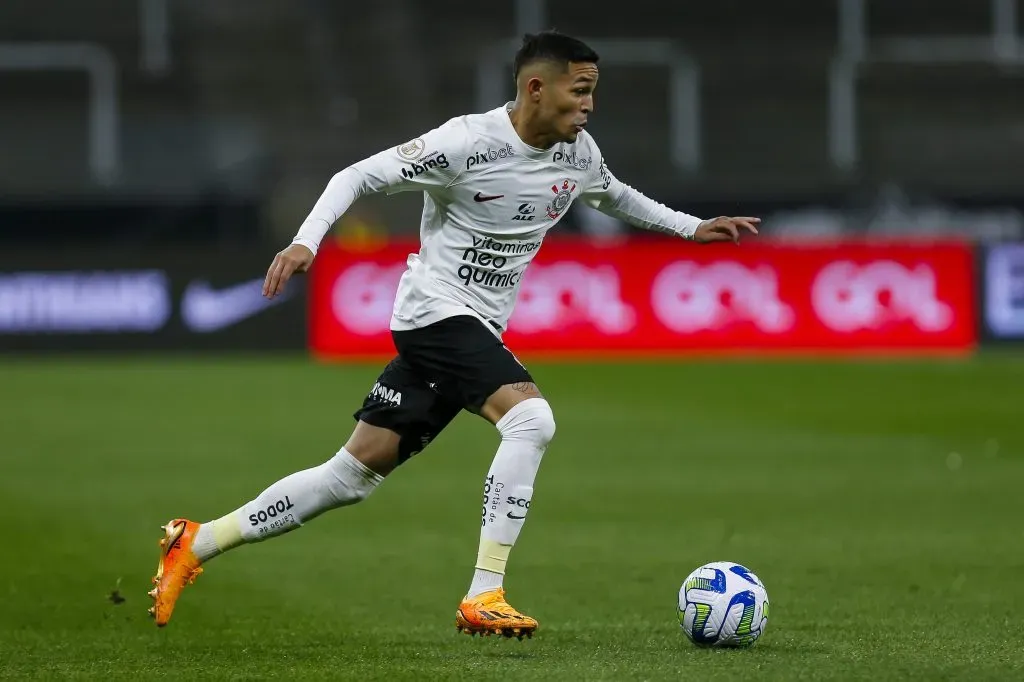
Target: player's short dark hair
x=551 y=46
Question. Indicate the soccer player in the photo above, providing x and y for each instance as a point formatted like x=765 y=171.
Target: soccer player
x=493 y=184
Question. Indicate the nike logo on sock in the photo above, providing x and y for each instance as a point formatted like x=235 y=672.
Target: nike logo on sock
x=481 y=198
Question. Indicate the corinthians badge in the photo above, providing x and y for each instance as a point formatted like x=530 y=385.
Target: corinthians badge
x=563 y=195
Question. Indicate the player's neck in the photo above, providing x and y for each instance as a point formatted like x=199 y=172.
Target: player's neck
x=529 y=129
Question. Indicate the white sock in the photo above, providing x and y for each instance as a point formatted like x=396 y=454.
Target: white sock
x=484 y=581
x=287 y=504
x=525 y=430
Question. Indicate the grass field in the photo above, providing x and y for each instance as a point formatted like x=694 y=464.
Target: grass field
x=880 y=502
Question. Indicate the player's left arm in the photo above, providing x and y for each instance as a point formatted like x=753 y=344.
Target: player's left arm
x=610 y=195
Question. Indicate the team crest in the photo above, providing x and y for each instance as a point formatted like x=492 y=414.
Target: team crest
x=411 y=150
x=563 y=195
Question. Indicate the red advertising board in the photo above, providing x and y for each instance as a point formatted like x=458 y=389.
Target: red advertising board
x=673 y=297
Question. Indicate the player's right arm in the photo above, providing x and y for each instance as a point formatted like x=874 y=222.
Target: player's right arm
x=610 y=195
x=430 y=161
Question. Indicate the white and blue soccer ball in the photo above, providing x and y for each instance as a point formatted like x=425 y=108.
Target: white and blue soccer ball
x=723 y=604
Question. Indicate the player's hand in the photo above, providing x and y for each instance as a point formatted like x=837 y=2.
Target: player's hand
x=295 y=258
x=725 y=229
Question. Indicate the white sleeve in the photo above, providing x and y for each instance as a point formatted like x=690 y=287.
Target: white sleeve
x=431 y=161
x=609 y=195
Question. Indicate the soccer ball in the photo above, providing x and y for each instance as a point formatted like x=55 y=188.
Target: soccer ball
x=723 y=604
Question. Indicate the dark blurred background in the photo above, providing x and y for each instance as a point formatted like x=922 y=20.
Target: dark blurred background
x=154 y=122
x=209 y=129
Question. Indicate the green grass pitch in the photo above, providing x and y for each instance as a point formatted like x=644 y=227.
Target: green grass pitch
x=882 y=503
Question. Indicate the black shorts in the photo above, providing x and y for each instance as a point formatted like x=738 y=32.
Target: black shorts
x=441 y=369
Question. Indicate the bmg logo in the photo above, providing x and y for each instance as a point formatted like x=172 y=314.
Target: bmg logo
x=414 y=169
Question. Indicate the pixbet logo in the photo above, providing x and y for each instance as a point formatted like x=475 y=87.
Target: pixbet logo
x=687 y=297
x=849 y=297
x=572 y=160
x=425 y=166
x=490 y=155
x=560 y=294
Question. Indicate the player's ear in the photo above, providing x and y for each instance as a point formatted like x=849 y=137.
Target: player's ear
x=533 y=88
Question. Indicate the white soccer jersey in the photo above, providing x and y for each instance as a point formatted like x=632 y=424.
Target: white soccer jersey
x=488 y=201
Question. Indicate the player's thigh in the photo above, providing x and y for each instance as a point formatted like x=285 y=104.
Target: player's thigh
x=469 y=365
x=506 y=397
x=400 y=416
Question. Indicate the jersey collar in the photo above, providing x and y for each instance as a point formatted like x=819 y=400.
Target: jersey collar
x=526 y=150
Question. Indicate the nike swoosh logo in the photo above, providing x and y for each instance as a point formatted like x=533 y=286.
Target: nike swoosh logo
x=204 y=309
x=481 y=198
x=515 y=517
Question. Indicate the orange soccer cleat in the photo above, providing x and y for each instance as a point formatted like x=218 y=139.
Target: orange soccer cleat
x=489 y=613
x=178 y=567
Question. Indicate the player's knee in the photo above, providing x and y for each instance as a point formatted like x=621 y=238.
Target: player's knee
x=347 y=480
x=531 y=419
x=545 y=423
x=376 y=448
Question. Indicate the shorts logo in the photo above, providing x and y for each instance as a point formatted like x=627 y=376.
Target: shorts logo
x=563 y=195
x=386 y=395
x=411 y=150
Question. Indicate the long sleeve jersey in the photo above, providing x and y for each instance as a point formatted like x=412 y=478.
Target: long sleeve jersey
x=489 y=199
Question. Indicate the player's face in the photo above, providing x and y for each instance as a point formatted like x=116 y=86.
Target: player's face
x=568 y=104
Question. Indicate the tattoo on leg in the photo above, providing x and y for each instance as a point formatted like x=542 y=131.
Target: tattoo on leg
x=525 y=387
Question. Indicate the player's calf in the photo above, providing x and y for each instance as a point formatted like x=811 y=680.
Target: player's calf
x=286 y=505
x=526 y=430
x=342 y=480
